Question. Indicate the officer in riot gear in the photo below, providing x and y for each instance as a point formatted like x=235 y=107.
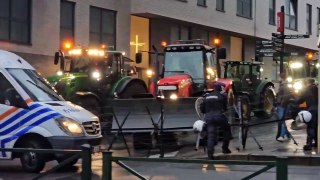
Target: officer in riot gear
x=213 y=106
x=310 y=96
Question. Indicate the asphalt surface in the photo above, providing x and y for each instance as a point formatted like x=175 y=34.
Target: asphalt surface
x=264 y=134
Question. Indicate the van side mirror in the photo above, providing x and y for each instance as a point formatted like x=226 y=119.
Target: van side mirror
x=56 y=58
x=15 y=99
x=222 y=53
x=138 y=58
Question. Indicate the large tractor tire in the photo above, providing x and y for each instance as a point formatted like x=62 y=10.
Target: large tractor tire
x=267 y=102
x=133 y=89
x=32 y=162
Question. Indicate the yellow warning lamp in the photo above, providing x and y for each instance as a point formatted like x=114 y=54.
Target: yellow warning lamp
x=164 y=43
x=217 y=42
x=309 y=56
x=67 y=45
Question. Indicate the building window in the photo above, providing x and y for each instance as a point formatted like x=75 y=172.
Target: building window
x=272 y=12
x=220 y=5
x=309 y=19
x=291 y=13
x=66 y=21
x=15 y=20
x=244 y=8
x=202 y=3
x=102 y=27
x=318 y=23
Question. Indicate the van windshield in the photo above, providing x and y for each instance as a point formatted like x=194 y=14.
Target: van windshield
x=34 y=85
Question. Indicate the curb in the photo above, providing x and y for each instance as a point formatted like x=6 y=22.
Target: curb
x=292 y=160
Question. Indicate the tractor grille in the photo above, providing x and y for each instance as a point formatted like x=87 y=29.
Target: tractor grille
x=92 y=127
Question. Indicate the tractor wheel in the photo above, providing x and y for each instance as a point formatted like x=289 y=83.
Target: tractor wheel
x=132 y=89
x=31 y=161
x=91 y=104
x=267 y=100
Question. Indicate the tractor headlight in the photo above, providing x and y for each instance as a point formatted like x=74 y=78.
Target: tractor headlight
x=289 y=79
x=59 y=73
x=297 y=86
x=96 y=75
x=173 y=96
x=69 y=126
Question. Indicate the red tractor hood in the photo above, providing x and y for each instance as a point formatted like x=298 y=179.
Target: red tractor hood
x=173 y=80
x=227 y=82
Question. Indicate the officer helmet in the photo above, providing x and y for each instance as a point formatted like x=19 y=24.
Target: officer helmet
x=198 y=125
x=304 y=116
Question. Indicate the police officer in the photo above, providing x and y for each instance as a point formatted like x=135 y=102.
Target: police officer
x=213 y=106
x=310 y=96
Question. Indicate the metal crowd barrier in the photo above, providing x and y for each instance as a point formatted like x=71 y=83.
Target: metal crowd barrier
x=280 y=164
x=84 y=153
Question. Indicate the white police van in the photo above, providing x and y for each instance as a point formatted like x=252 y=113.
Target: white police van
x=33 y=115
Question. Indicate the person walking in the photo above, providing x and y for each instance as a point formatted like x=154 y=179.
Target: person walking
x=213 y=106
x=282 y=102
x=310 y=96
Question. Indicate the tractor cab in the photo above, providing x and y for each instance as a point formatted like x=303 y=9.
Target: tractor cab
x=245 y=75
x=189 y=68
x=298 y=71
x=247 y=82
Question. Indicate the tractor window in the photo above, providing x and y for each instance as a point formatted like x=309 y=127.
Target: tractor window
x=184 y=63
x=211 y=59
x=233 y=71
x=81 y=64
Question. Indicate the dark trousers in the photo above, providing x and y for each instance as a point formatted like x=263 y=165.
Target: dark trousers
x=213 y=122
x=312 y=133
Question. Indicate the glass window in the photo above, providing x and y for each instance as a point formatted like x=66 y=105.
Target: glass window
x=272 y=12
x=66 y=21
x=184 y=63
x=4 y=87
x=318 y=23
x=102 y=27
x=309 y=19
x=15 y=20
x=202 y=3
x=220 y=5
x=291 y=14
x=34 y=85
x=244 y=8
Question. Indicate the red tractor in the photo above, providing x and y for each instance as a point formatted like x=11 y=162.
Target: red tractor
x=189 y=69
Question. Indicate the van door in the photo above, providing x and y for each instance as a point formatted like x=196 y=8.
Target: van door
x=10 y=114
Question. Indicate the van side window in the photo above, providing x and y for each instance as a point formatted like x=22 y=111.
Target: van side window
x=4 y=87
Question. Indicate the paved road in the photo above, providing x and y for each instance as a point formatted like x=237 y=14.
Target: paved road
x=161 y=171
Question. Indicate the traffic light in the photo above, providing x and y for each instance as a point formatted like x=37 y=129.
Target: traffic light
x=309 y=56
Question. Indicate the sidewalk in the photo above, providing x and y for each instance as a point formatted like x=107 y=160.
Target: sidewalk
x=265 y=135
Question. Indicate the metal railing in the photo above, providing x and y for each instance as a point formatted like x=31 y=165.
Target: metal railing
x=280 y=163
x=84 y=153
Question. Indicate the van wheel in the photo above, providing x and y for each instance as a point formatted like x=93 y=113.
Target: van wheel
x=32 y=162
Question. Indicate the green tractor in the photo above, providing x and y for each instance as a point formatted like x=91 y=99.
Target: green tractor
x=92 y=77
x=258 y=95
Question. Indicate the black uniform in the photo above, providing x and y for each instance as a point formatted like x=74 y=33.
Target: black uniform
x=310 y=96
x=213 y=106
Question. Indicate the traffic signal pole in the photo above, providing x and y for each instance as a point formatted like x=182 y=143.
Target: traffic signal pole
x=318 y=129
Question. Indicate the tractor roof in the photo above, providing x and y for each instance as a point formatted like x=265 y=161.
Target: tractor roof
x=188 y=43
